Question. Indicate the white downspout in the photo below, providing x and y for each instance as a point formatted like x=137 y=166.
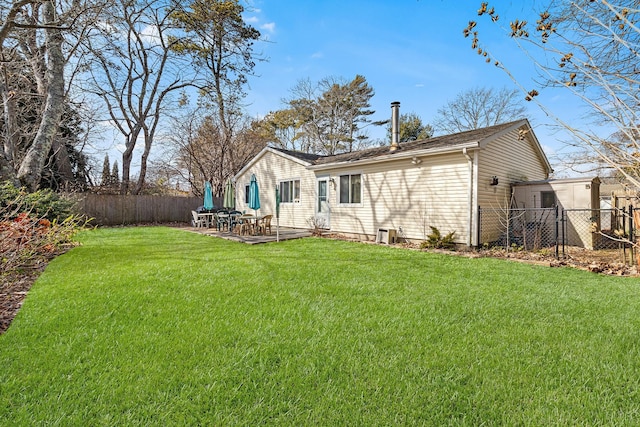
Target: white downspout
x=471 y=238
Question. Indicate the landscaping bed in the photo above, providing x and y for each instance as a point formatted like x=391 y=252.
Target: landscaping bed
x=12 y=293
x=603 y=261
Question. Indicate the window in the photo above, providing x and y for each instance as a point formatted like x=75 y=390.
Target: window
x=246 y=194
x=350 y=188
x=290 y=191
x=548 y=199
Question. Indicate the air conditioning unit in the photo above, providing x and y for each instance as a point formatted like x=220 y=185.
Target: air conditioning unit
x=386 y=235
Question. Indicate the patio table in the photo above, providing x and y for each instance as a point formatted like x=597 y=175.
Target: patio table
x=250 y=219
x=207 y=216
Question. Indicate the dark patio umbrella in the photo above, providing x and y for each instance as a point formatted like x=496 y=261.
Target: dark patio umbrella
x=229 y=200
x=254 y=195
x=208 y=196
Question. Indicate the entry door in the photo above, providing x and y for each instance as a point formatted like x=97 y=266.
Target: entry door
x=323 y=211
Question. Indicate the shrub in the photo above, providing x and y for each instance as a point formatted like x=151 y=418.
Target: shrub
x=34 y=227
x=39 y=204
x=437 y=240
x=317 y=224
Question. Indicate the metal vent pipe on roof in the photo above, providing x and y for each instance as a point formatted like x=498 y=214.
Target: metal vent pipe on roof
x=395 y=126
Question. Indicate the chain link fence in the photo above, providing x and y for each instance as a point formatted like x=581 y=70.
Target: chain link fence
x=534 y=229
x=598 y=228
x=528 y=229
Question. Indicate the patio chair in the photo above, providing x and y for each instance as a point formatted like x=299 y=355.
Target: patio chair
x=246 y=224
x=234 y=217
x=265 y=224
x=222 y=220
x=197 y=220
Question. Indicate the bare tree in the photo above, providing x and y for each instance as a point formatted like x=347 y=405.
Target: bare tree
x=590 y=50
x=198 y=152
x=479 y=107
x=137 y=71
x=37 y=40
x=48 y=72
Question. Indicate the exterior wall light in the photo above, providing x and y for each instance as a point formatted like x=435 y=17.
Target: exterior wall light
x=494 y=180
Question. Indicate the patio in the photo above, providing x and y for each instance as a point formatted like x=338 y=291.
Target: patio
x=285 y=234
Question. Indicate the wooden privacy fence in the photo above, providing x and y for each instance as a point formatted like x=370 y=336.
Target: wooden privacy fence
x=108 y=209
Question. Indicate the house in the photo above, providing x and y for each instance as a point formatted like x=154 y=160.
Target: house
x=402 y=188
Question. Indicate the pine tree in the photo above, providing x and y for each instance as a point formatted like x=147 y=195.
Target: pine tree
x=115 y=175
x=106 y=175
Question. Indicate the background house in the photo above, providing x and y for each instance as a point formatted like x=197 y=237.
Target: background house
x=404 y=188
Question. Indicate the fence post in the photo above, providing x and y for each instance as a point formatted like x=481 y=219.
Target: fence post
x=564 y=232
x=632 y=238
x=557 y=248
x=508 y=239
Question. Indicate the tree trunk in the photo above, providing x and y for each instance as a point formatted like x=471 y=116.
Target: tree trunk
x=143 y=162
x=62 y=162
x=10 y=126
x=127 y=157
x=7 y=172
x=7 y=165
x=33 y=163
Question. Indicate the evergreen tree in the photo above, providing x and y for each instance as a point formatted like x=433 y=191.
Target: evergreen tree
x=115 y=175
x=411 y=129
x=106 y=174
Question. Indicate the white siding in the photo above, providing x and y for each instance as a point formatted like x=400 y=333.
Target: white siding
x=511 y=160
x=400 y=195
x=270 y=169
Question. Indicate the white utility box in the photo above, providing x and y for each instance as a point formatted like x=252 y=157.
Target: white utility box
x=386 y=235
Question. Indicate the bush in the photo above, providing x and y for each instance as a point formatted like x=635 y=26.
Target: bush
x=437 y=240
x=41 y=204
x=318 y=225
x=34 y=227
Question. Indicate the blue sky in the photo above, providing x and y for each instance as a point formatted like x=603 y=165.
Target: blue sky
x=412 y=51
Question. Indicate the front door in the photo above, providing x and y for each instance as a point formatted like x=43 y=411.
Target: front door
x=323 y=211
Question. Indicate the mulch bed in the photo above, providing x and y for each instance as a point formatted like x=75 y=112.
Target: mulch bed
x=607 y=262
x=13 y=291
x=14 y=286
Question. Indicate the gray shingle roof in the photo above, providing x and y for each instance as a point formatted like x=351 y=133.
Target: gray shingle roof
x=438 y=142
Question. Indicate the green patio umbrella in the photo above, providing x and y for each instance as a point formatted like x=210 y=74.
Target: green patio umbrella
x=208 y=196
x=254 y=194
x=229 y=200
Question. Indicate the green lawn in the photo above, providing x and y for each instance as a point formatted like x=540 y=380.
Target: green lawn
x=157 y=326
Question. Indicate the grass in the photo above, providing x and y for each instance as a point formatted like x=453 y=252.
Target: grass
x=156 y=326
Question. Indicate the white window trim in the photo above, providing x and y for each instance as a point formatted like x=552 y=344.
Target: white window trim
x=291 y=180
x=362 y=180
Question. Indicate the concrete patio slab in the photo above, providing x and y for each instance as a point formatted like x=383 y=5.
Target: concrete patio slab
x=284 y=234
